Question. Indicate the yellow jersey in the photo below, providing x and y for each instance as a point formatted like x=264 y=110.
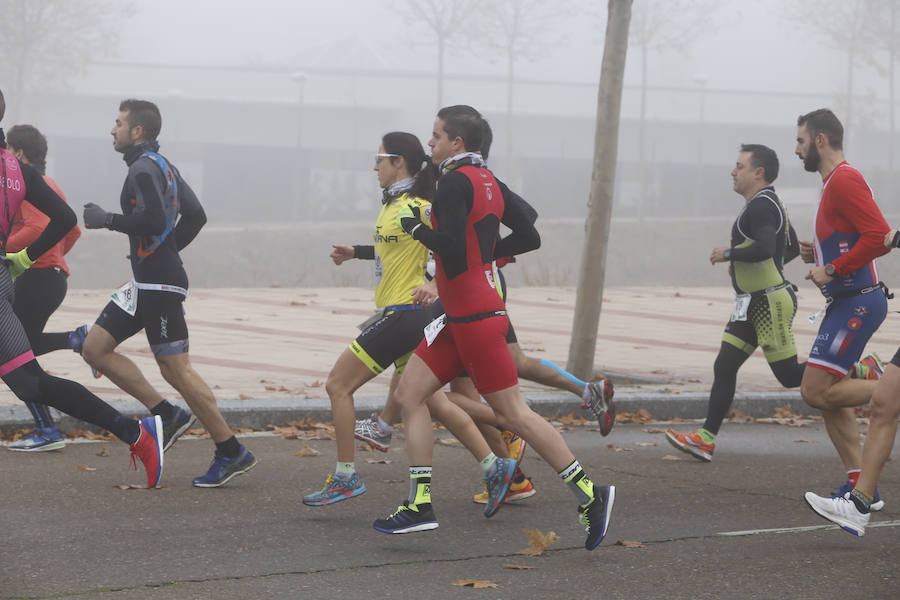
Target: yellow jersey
x=400 y=261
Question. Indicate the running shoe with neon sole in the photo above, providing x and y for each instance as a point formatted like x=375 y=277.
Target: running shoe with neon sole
x=43 y=439
x=335 y=490
x=596 y=515
x=149 y=449
x=691 y=443
x=515 y=445
x=598 y=398
x=367 y=430
x=877 y=502
x=173 y=428
x=497 y=484
x=870 y=367
x=408 y=519
x=839 y=510
x=517 y=491
x=222 y=470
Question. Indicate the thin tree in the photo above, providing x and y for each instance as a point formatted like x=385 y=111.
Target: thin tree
x=447 y=21
x=592 y=273
x=47 y=42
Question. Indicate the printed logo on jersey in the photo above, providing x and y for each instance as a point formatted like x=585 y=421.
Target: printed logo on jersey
x=12 y=165
x=841 y=342
x=861 y=311
x=490 y=278
x=854 y=323
x=488 y=192
x=844 y=246
x=428 y=213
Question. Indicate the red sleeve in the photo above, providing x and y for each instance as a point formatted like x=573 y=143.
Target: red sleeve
x=27 y=227
x=70 y=239
x=859 y=209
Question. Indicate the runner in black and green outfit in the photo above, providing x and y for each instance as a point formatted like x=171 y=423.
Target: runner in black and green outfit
x=762 y=241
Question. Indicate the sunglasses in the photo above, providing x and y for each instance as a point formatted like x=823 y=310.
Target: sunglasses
x=378 y=157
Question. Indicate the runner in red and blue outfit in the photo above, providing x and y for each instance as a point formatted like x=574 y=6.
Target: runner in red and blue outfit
x=466 y=214
x=849 y=234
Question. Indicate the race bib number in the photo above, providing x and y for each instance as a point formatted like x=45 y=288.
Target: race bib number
x=741 y=304
x=126 y=297
x=434 y=328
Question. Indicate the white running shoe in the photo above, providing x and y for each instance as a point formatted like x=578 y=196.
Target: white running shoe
x=841 y=511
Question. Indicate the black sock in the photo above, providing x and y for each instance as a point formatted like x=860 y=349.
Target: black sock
x=230 y=448
x=165 y=410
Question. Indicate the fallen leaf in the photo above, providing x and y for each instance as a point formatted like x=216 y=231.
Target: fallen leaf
x=307 y=451
x=538 y=542
x=103 y=452
x=447 y=441
x=296 y=303
x=271 y=388
x=570 y=419
x=84 y=468
x=653 y=430
x=133 y=486
x=316 y=383
x=245 y=397
x=737 y=416
x=516 y=567
x=475 y=583
x=801 y=441
x=645 y=444
x=642 y=415
x=379 y=461
x=630 y=544
x=670 y=457
x=618 y=448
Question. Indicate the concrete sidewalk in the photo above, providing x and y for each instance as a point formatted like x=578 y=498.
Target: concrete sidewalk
x=266 y=352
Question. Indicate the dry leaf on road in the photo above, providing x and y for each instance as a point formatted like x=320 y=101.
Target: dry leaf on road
x=516 y=567
x=630 y=544
x=476 y=583
x=307 y=451
x=538 y=542
x=84 y=468
x=671 y=457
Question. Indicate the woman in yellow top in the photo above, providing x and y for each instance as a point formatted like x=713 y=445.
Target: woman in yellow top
x=390 y=336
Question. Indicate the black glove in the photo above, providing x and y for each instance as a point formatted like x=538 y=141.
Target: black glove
x=409 y=217
x=95 y=217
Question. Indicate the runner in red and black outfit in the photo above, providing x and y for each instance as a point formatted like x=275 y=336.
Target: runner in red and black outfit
x=18 y=367
x=466 y=214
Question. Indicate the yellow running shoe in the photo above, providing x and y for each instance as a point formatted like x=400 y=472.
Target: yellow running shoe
x=517 y=491
x=514 y=445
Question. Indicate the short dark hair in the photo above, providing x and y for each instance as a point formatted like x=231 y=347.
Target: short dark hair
x=824 y=121
x=143 y=113
x=29 y=140
x=2 y=105
x=463 y=121
x=765 y=157
x=410 y=148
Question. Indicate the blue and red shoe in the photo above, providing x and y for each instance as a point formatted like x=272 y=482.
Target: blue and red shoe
x=335 y=490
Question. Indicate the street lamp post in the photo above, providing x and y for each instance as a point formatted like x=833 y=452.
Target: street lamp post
x=301 y=169
x=700 y=79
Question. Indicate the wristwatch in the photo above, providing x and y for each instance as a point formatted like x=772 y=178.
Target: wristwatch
x=829 y=270
x=726 y=254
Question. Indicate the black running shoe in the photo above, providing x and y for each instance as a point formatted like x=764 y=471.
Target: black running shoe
x=595 y=516
x=173 y=428
x=408 y=519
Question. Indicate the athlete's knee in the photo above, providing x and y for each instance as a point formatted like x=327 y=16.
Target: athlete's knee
x=790 y=375
x=725 y=365
x=25 y=381
x=884 y=405
x=813 y=393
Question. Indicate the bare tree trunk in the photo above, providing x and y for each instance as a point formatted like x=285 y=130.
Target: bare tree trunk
x=592 y=273
x=645 y=187
x=440 y=73
x=892 y=49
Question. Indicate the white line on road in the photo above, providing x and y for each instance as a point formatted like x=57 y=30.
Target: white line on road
x=801 y=529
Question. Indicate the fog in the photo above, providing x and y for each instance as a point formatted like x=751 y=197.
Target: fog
x=273 y=111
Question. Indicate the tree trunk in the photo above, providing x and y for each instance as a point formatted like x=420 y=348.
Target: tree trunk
x=589 y=295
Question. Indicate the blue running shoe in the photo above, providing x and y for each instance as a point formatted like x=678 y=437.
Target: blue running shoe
x=498 y=484
x=43 y=440
x=77 y=337
x=595 y=516
x=222 y=469
x=173 y=428
x=335 y=490
x=877 y=502
x=148 y=448
x=408 y=519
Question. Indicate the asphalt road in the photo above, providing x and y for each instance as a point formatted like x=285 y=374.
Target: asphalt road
x=71 y=533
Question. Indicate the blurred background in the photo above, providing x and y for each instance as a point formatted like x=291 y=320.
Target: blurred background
x=273 y=111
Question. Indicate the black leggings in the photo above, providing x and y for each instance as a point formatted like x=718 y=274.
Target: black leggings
x=39 y=292
x=788 y=372
x=30 y=383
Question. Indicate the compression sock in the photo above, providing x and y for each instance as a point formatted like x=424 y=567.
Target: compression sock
x=578 y=482
x=41 y=414
x=853 y=476
x=707 y=436
x=344 y=470
x=230 y=448
x=488 y=463
x=564 y=373
x=862 y=500
x=420 y=485
x=165 y=410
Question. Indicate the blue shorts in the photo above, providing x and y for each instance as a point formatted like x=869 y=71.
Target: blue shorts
x=848 y=324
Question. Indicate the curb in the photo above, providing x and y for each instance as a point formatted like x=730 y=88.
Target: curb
x=262 y=413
